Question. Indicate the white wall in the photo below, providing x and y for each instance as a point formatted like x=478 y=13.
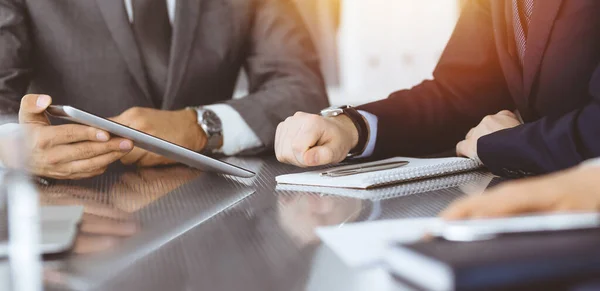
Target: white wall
x=387 y=45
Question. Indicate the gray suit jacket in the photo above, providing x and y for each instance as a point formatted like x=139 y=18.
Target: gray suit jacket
x=83 y=53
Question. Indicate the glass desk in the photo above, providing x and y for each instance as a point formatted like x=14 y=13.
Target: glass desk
x=177 y=228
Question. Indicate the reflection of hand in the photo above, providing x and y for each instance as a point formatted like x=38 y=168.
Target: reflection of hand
x=572 y=190
x=135 y=190
x=179 y=127
x=490 y=124
x=68 y=151
x=97 y=234
x=102 y=226
x=88 y=198
x=301 y=214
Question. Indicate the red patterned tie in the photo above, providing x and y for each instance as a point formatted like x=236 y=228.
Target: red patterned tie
x=522 y=11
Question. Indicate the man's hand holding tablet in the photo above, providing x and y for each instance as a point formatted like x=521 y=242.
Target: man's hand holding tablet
x=179 y=127
x=166 y=150
x=70 y=151
x=86 y=149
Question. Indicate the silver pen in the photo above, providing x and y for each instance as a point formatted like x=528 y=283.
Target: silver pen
x=364 y=169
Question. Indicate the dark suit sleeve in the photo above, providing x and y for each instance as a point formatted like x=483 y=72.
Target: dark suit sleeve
x=548 y=144
x=468 y=84
x=283 y=70
x=15 y=47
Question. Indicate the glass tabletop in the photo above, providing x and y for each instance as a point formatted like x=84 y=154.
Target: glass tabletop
x=176 y=228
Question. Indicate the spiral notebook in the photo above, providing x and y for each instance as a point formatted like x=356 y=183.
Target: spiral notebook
x=391 y=191
x=415 y=170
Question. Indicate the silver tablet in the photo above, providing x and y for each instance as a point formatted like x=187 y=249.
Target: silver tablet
x=149 y=142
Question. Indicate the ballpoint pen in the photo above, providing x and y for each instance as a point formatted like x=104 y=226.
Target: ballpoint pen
x=364 y=169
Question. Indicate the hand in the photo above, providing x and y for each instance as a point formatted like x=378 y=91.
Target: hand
x=490 y=124
x=98 y=234
x=308 y=140
x=136 y=190
x=68 y=151
x=300 y=215
x=574 y=190
x=103 y=226
x=179 y=127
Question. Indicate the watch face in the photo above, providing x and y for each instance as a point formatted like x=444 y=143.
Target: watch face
x=331 y=112
x=212 y=121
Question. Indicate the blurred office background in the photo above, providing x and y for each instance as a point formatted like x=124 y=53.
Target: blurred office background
x=370 y=48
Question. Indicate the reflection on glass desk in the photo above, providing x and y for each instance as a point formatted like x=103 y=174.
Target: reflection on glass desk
x=176 y=228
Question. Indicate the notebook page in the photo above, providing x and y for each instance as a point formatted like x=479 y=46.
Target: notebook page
x=417 y=169
x=382 y=193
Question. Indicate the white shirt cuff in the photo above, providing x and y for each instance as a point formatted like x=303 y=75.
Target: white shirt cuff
x=372 y=124
x=237 y=135
x=592 y=163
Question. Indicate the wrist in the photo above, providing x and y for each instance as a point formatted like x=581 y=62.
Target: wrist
x=358 y=131
x=348 y=128
x=197 y=135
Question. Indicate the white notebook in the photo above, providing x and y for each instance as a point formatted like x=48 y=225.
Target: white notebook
x=416 y=169
x=382 y=193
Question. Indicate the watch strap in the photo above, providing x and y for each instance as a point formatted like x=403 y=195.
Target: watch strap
x=214 y=139
x=361 y=126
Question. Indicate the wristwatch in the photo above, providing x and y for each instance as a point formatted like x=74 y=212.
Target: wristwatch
x=212 y=126
x=358 y=120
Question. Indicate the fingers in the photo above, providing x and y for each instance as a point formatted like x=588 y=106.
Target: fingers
x=461 y=149
x=317 y=156
x=134 y=156
x=458 y=210
x=50 y=136
x=96 y=163
x=152 y=159
x=71 y=133
x=82 y=169
x=88 y=244
x=307 y=136
x=295 y=136
x=32 y=109
x=508 y=200
x=470 y=133
x=97 y=225
x=298 y=135
x=87 y=150
x=144 y=158
x=99 y=234
x=282 y=140
x=277 y=146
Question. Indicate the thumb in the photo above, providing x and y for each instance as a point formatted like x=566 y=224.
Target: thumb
x=33 y=109
x=318 y=156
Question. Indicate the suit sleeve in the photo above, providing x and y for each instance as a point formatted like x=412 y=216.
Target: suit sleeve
x=15 y=47
x=548 y=144
x=283 y=70
x=468 y=84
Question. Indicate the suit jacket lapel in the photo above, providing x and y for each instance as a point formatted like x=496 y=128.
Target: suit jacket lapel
x=187 y=17
x=116 y=19
x=509 y=63
x=540 y=28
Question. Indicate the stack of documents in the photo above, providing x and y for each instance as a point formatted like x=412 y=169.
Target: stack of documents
x=478 y=254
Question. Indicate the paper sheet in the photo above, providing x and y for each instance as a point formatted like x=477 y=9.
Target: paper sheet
x=363 y=244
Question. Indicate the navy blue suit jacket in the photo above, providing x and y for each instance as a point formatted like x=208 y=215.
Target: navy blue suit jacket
x=557 y=91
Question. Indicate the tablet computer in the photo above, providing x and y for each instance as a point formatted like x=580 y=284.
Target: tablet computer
x=149 y=142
